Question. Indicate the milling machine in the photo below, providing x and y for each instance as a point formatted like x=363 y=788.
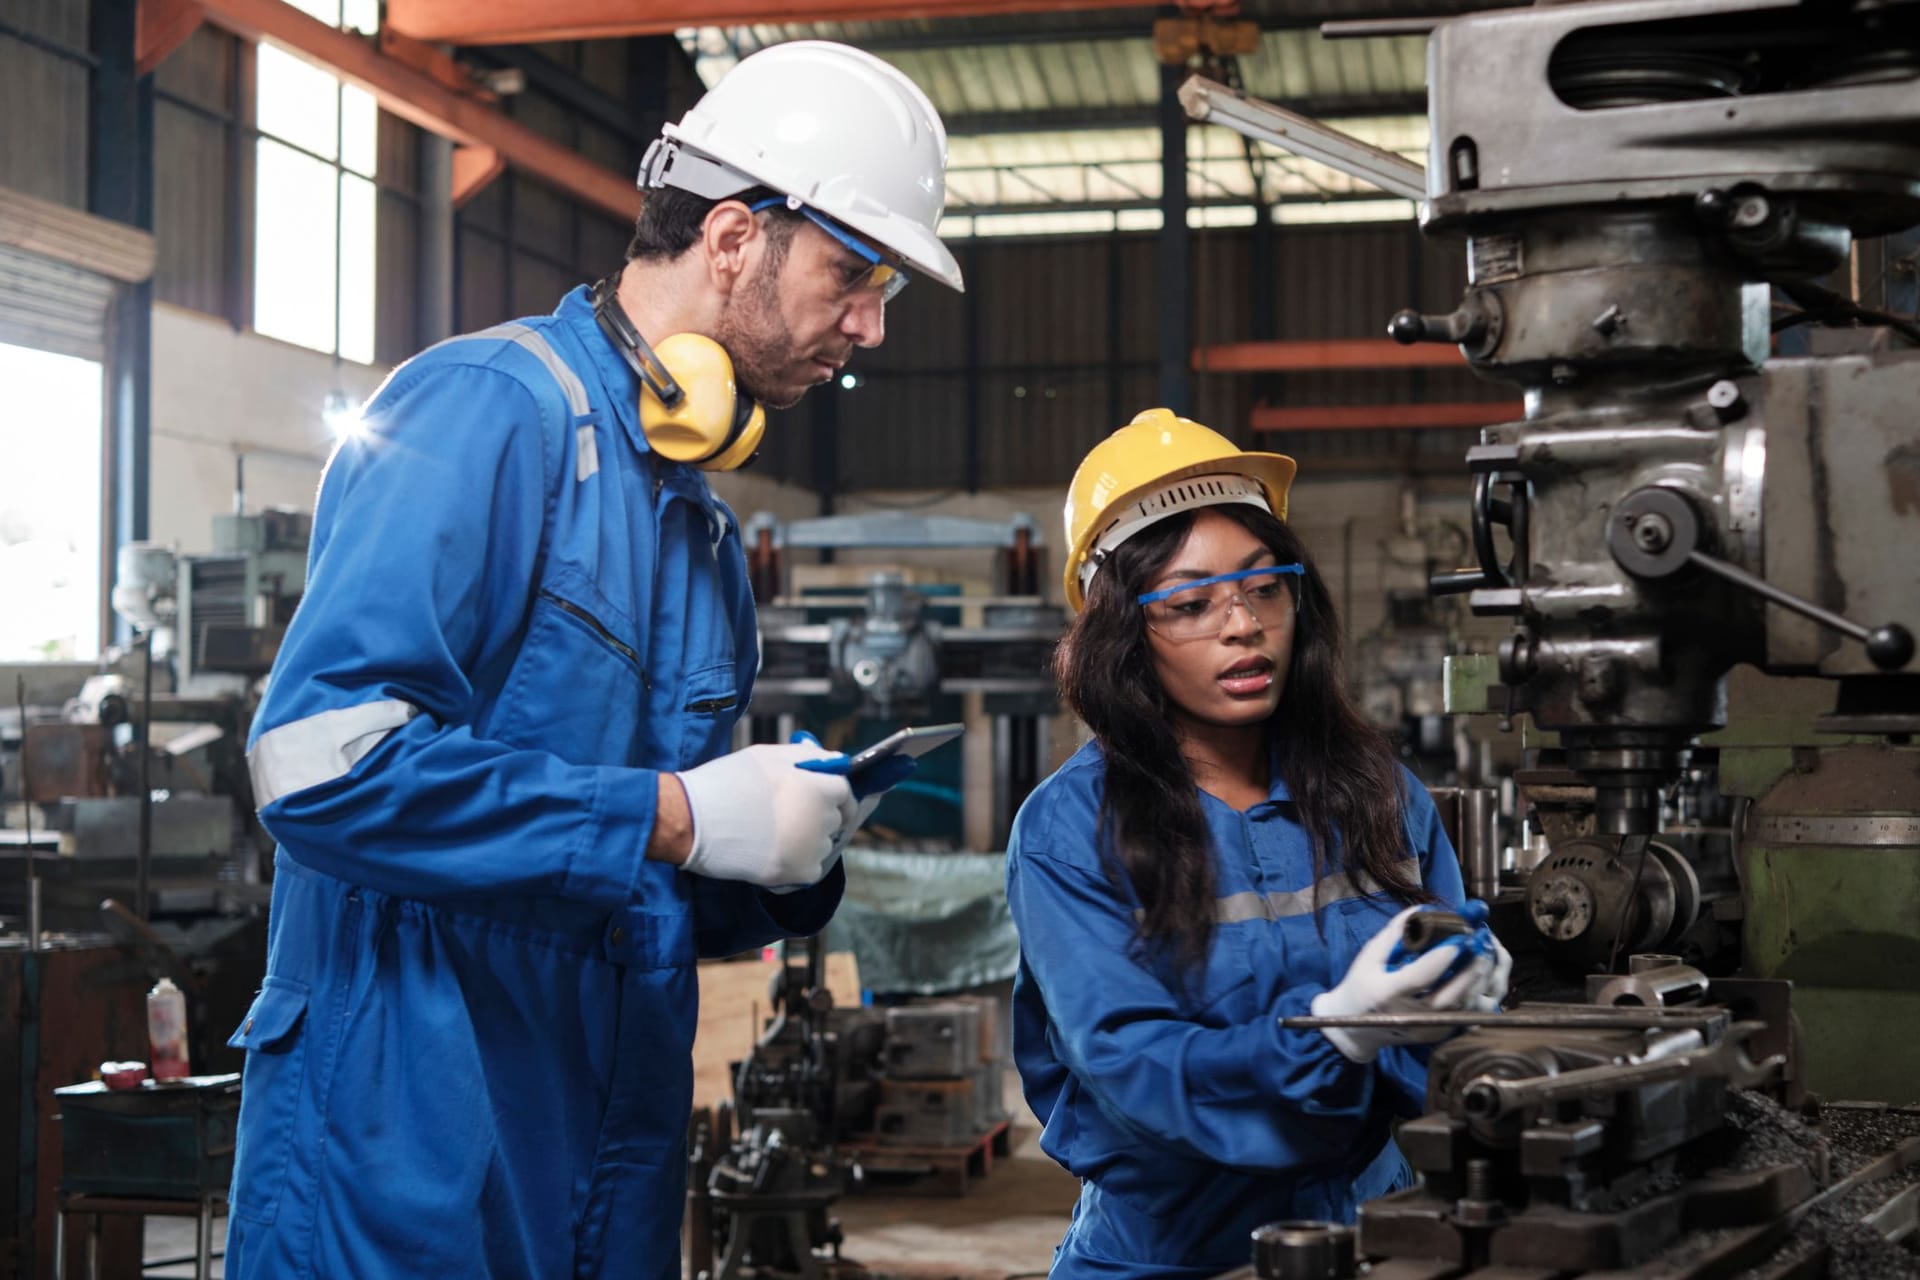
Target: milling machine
x=1651 y=192
x=1704 y=531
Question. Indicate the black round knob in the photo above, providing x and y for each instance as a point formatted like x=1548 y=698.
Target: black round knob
x=1890 y=647
x=1407 y=327
x=1303 y=1251
x=1714 y=205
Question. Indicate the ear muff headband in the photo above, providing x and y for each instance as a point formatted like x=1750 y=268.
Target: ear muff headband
x=690 y=409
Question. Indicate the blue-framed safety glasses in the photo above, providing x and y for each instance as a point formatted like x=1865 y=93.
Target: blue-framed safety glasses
x=1199 y=609
x=881 y=276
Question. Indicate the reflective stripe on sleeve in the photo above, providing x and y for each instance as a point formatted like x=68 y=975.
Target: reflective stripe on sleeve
x=321 y=747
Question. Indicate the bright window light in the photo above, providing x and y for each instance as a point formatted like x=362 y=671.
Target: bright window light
x=314 y=233
x=295 y=275
x=357 y=202
x=50 y=436
x=299 y=102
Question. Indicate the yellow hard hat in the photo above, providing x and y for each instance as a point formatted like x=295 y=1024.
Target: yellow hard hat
x=1134 y=478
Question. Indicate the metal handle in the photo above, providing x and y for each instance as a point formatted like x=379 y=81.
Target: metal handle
x=1889 y=645
x=1656 y=532
x=1489 y=511
x=1462 y=326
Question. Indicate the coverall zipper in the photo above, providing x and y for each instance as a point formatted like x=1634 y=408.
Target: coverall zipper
x=599 y=628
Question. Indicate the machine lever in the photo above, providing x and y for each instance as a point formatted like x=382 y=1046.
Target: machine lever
x=1656 y=532
x=1458 y=582
x=1467 y=325
x=1889 y=646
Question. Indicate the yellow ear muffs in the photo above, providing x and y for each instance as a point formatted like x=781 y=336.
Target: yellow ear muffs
x=712 y=426
x=690 y=409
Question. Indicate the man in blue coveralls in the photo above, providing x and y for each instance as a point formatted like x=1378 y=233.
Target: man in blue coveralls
x=493 y=749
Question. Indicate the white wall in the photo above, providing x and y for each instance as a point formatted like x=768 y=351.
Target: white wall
x=218 y=392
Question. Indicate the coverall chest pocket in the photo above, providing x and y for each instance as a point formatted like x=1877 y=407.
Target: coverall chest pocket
x=1224 y=992
x=710 y=705
x=577 y=690
x=274 y=1036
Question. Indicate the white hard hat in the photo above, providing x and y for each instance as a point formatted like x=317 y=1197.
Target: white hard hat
x=828 y=125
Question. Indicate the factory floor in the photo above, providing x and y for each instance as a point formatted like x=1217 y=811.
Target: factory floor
x=1006 y=1225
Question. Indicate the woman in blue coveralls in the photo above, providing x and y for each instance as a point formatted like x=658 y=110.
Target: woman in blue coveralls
x=1236 y=845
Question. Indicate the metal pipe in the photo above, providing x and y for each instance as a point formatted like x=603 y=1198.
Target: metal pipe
x=142 y=895
x=1174 y=247
x=26 y=809
x=436 y=240
x=1480 y=851
x=1602 y=1019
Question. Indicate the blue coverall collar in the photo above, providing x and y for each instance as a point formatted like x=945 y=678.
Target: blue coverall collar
x=621 y=402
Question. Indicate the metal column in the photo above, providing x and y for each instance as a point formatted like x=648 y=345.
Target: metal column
x=1175 y=259
x=436 y=240
x=120 y=186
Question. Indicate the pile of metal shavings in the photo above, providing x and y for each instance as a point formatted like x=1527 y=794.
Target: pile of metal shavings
x=1771 y=1135
x=1857 y=1136
x=1863 y=1132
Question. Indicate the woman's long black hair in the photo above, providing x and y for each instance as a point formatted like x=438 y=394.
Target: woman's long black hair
x=1341 y=772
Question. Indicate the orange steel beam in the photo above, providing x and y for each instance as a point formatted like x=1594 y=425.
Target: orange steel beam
x=474 y=168
x=160 y=27
x=1382 y=417
x=1348 y=353
x=419 y=98
x=515 y=21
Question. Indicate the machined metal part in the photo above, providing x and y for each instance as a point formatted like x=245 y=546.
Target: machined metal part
x=1665 y=987
x=1303 y=1251
x=1426 y=929
x=1594 y=899
x=1490 y=1098
x=1572 y=104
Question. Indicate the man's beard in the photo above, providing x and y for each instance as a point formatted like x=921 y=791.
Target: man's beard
x=758 y=341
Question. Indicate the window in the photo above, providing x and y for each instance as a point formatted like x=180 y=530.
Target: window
x=50 y=435
x=315 y=199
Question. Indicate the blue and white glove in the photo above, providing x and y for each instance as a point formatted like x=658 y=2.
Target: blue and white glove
x=1432 y=982
x=1480 y=943
x=868 y=785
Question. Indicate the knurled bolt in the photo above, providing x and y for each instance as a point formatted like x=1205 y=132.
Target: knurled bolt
x=1652 y=532
x=1479 y=1179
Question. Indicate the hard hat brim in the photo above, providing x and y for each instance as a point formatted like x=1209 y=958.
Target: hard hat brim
x=918 y=247
x=1273 y=472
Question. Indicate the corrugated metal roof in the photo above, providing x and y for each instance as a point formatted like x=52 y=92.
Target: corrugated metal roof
x=1001 y=172
x=1001 y=82
x=1078 y=74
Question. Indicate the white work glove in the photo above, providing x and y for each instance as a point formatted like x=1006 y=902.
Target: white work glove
x=1371 y=987
x=760 y=819
x=1488 y=996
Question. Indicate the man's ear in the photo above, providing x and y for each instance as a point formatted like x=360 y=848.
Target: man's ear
x=727 y=236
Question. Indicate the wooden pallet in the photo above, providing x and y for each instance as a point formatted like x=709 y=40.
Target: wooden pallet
x=928 y=1171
